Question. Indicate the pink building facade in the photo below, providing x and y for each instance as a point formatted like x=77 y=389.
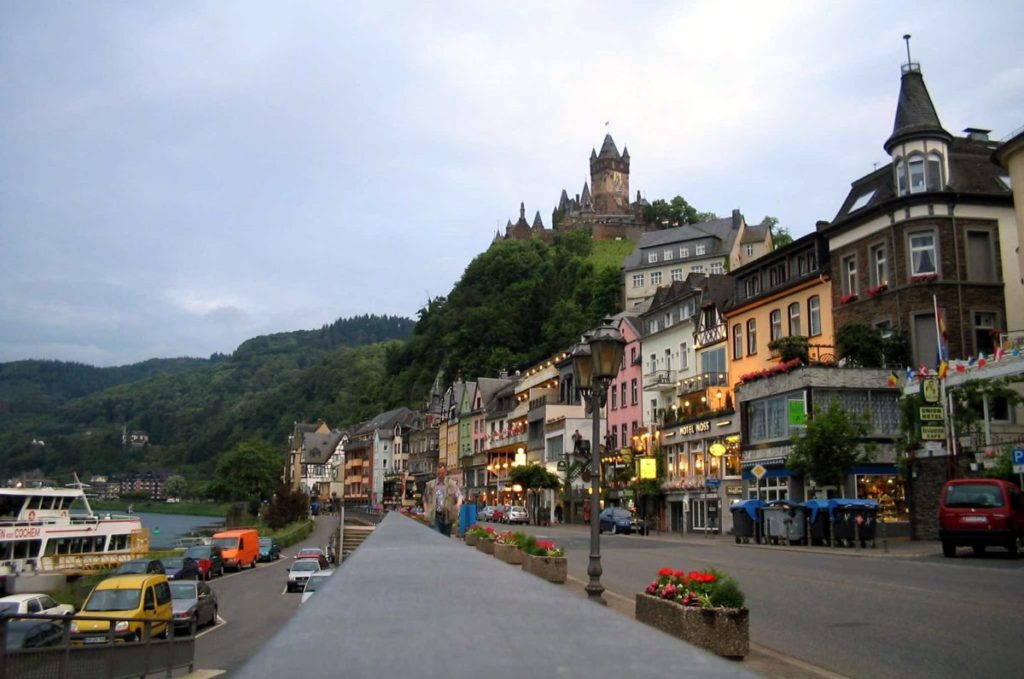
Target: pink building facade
x=625 y=410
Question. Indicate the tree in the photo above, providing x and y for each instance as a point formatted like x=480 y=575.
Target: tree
x=831 y=446
x=247 y=472
x=860 y=345
x=534 y=477
x=780 y=234
x=287 y=505
x=676 y=212
x=175 y=486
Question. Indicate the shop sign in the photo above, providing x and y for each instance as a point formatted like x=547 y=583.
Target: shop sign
x=734 y=490
x=931 y=433
x=697 y=427
x=931 y=414
x=930 y=390
x=797 y=413
x=714 y=483
x=648 y=468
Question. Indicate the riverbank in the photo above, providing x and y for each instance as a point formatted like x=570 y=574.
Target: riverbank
x=215 y=509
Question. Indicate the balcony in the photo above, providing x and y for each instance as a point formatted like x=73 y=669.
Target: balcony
x=702 y=382
x=659 y=380
x=516 y=433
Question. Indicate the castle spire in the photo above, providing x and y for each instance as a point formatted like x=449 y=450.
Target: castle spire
x=608 y=149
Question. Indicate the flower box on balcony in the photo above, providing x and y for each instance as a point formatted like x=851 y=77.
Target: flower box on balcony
x=847 y=298
x=924 y=278
x=876 y=290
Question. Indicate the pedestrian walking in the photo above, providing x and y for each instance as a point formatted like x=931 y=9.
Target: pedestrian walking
x=442 y=499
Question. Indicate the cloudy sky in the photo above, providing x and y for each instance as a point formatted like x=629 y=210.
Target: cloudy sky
x=176 y=177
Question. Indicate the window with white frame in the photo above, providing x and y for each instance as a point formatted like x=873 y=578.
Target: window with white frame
x=666 y=255
x=684 y=361
x=848 y=269
x=769 y=489
x=655 y=278
x=686 y=310
x=652 y=326
x=775 y=327
x=814 y=316
x=751 y=337
x=676 y=274
x=877 y=262
x=654 y=362
x=667 y=319
x=794 y=320
x=986 y=325
x=698 y=249
x=652 y=257
x=698 y=268
x=684 y=251
x=751 y=286
x=737 y=342
x=922 y=254
x=638 y=280
x=917 y=173
x=634 y=389
x=716 y=267
x=749 y=250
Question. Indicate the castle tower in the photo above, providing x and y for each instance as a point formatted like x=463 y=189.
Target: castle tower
x=609 y=179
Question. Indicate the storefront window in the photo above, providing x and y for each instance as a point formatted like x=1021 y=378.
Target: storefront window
x=888 y=490
x=769 y=489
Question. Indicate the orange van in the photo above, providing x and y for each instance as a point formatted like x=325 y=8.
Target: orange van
x=241 y=547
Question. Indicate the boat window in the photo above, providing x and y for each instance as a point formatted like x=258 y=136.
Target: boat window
x=27 y=549
x=10 y=506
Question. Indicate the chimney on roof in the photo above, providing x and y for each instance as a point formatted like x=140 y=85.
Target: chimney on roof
x=737 y=218
x=976 y=133
x=821 y=225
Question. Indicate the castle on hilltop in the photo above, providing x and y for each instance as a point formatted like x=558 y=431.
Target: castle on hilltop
x=604 y=210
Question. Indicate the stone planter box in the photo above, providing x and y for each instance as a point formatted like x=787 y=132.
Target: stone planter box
x=471 y=540
x=551 y=568
x=485 y=546
x=509 y=554
x=723 y=631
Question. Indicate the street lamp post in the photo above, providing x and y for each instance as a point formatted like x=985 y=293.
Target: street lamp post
x=595 y=363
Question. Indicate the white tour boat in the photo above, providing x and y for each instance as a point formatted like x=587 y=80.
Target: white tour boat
x=54 y=530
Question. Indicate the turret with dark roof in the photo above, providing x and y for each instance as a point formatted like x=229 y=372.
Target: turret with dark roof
x=915 y=114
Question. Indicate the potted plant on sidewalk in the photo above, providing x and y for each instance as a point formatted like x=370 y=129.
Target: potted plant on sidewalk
x=704 y=608
x=474 y=533
x=506 y=547
x=485 y=542
x=544 y=559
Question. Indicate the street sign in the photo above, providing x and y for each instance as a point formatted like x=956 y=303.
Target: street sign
x=1018 y=460
x=714 y=483
x=930 y=389
x=932 y=433
x=758 y=472
x=931 y=414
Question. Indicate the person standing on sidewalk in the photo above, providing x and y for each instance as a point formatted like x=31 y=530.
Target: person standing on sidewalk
x=441 y=501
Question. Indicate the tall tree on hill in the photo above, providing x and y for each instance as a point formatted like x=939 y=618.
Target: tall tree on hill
x=675 y=212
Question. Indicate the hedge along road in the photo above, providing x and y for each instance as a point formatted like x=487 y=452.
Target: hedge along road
x=253 y=606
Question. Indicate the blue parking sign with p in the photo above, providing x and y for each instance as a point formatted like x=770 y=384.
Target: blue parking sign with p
x=1018 y=460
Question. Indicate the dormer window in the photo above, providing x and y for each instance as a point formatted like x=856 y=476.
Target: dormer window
x=652 y=257
x=666 y=255
x=684 y=252
x=699 y=249
x=918 y=173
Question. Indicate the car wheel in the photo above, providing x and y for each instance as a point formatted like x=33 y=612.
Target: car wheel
x=1012 y=547
x=253 y=564
x=135 y=636
x=213 y=618
x=948 y=549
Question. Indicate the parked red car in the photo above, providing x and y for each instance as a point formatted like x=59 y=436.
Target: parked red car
x=981 y=513
x=314 y=553
x=209 y=560
x=498 y=515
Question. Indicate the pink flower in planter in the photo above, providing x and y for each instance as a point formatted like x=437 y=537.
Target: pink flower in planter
x=669 y=592
x=652 y=588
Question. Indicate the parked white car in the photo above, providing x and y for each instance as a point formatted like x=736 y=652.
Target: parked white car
x=517 y=515
x=34 y=603
x=486 y=514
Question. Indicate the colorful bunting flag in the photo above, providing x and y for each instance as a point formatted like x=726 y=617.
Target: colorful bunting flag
x=1000 y=354
x=943 y=370
x=982 y=361
x=893 y=380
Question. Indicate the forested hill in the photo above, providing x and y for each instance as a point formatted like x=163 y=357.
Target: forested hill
x=515 y=304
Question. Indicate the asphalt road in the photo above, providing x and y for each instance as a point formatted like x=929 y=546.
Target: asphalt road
x=254 y=605
x=859 y=617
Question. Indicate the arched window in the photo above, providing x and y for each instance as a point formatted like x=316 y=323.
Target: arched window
x=775 y=328
x=933 y=170
x=794 y=319
x=901 y=176
x=814 y=316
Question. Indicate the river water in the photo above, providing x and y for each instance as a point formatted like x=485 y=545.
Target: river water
x=164 y=529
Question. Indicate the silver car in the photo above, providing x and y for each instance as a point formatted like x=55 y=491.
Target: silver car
x=194 y=604
x=300 y=571
x=315 y=581
x=517 y=515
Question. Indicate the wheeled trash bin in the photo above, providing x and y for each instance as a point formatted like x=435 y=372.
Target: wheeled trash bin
x=745 y=524
x=853 y=521
x=819 y=521
x=783 y=522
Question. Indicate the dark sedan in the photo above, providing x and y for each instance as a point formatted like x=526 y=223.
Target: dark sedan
x=620 y=520
x=269 y=549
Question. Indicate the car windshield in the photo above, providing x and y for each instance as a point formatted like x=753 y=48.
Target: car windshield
x=309 y=553
x=183 y=590
x=305 y=565
x=8 y=606
x=132 y=567
x=265 y=542
x=198 y=552
x=173 y=562
x=974 y=495
x=620 y=513
x=226 y=543
x=113 y=600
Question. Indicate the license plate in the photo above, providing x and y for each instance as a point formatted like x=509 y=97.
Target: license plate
x=95 y=640
x=974 y=519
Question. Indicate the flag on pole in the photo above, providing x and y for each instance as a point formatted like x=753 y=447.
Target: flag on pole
x=943 y=338
x=893 y=380
x=943 y=370
x=910 y=374
x=922 y=370
x=961 y=367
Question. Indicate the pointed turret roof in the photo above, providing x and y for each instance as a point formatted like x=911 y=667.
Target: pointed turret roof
x=625 y=153
x=563 y=201
x=585 y=200
x=915 y=113
x=537 y=223
x=593 y=155
x=608 y=149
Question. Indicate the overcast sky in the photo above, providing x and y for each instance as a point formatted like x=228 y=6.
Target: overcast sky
x=176 y=177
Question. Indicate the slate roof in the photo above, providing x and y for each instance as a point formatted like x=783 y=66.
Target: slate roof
x=318 y=448
x=608 y=149
x=718 y=289
x=754 y=234
x=971 y=172
x=721 y=231
x=915 y=113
